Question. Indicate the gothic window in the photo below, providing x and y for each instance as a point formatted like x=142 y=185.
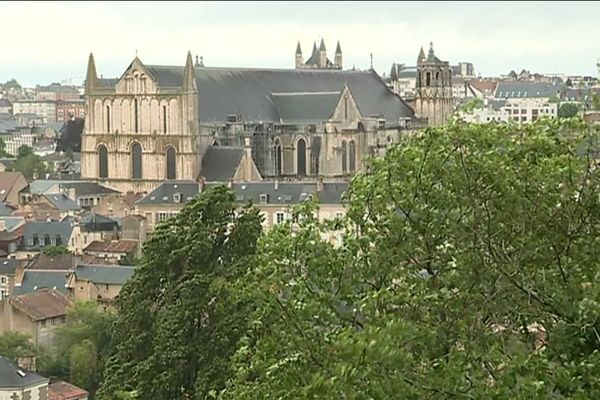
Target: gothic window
x=301 y=157
x=428 y=79
x=437 y=76
x=171 y=163
x=352 y=156
x=135 y=115
x=278 y=158
x=102 y=161
x=344 y=157
x=345 y=107
x=108 y=119
x=164 y=119
x=136 y=161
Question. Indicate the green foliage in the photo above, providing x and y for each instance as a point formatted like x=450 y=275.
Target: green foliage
x=595 y=102
x=30 y=165
x=468 y=270
x=14 y=345
x=52 y=251
x=24 y=151
x=129 y=259
x=11 y=84
x=470 y=105
x=179 y=321
x=3 y=152
x=83 y=359
x=568 y=110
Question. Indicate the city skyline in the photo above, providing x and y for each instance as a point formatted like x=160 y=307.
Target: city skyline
x=496 y=37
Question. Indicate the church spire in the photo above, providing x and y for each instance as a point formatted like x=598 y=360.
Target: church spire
x=431 y=55
x=421 y=56
x=91 y=79
x=189 y=81
x=298 y=49
x=322 y=46
x=338 y=49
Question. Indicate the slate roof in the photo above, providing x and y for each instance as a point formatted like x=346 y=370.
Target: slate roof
x=34 y=280
x=113 y=246
x=8 y=123
x=219 y=163
x=5 y=210
x=43 y=304
x=93 y=222
x=61 y=202
x=12 y=223
x=225 y=91
x=11 y=378
x=109 y=275
x=41 y=228
x=286 y=192
x=65 y=391
x=518 y=89
x=87 y=188
x=164 y=194
x=8 y=266
x=6 y=103
x=305 y=108
x=8 y=162
x=41 y=186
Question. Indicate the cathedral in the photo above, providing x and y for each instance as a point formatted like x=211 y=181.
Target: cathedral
x=156 y=123
x=433 y=98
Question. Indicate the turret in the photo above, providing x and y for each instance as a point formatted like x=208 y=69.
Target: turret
x=299 y=60
x=91 y=79
x=322 y=55
x=421 y=56
x=189 y=76
x=338 y=56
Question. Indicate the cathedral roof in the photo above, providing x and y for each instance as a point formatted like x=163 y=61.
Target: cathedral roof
x=219 y=163
x=305 y=108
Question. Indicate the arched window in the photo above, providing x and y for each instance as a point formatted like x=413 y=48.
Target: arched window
x=352 y=156
x=301 y=157
x=58 y=240
x=102 y=161
x=136 y=161
x=344 y=157
x=437 y=76
x=107 y=119
x=278 y=158
x=135 y=115
x=164 y=119
x=428 y=79
x=171 y=163
x=47 y=240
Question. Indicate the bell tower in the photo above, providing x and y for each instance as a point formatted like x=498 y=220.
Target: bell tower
x=434 y=88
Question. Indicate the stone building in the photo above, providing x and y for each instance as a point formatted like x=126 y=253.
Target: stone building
x=318 y=58
x=156 y=123
x=434 y=88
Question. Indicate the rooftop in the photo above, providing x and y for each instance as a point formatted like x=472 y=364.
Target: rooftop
x=43 y=304
x=12 y=376
x=65 y=391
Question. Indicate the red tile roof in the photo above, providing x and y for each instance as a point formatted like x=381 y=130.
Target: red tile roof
x=65 y=391
x=7 y=181
x=42 y=304
x=483 y=86
x=114 y=246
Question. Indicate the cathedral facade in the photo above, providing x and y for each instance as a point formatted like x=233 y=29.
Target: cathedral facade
x=156 y=123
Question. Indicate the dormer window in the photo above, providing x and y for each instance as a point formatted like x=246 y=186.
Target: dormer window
x=264 y=198
x=177 y=198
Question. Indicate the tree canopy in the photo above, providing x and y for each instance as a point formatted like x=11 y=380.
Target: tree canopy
x=467 y=270
x=568 y=110
x=178 y=325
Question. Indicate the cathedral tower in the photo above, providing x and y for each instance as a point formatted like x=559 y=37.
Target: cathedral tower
x=434 y=88
x=338 y=56
x=299 y=61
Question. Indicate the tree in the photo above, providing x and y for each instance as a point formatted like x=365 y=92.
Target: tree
x=24 y=151
x=568 y=110
x=14 y=345
x=12 y=84
x=3 y=152
x=70 y=138
x=178 y=320
x=467 y=270
x=53 y=251
x=595 y=102
x=30 y=166
x=83 y=359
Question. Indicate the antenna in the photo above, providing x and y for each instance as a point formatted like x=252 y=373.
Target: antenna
x=371 y=60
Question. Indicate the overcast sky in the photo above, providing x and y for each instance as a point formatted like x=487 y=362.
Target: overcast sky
x=50 y=41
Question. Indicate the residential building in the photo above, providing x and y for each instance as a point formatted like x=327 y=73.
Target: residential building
x=69 y=109
x=35 y=314
x=89 y=194
x=40 y=234
x=8 y=268
x=11 y=184
x=300 y=122
x=56 y=91
x=98 y=283
x=17 y=383
x=65 y=391
x=134 y=227
x=5 y=106
x=43 y=108
x=116 y=250
x=12 y=230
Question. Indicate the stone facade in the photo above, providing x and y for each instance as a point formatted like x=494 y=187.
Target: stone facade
x=434 y=89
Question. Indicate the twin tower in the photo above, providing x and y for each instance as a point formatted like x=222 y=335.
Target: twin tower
x=318 y=59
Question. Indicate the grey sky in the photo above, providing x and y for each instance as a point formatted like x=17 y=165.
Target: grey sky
x=50 y=41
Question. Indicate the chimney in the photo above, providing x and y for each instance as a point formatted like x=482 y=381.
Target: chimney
x=276 y=184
